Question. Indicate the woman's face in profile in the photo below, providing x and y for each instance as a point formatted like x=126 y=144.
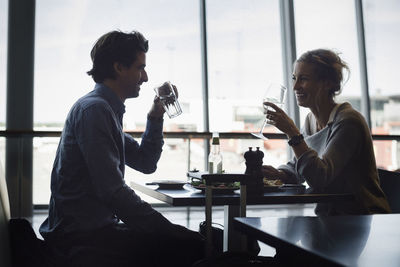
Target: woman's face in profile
x=306 y=86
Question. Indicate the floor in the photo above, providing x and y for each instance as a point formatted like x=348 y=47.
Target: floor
x=191 y=217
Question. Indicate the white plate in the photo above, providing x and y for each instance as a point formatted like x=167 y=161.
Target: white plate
x=169 y=184
x=216 y=189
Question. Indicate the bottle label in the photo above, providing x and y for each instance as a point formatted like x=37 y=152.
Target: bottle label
x=219 y=167
x=211 y=167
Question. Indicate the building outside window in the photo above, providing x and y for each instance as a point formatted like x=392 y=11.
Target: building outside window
x=382 y=36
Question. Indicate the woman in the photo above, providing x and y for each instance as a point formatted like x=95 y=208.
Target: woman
x=334 y=151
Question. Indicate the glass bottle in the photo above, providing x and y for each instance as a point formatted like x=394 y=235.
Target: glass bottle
x=215 y=157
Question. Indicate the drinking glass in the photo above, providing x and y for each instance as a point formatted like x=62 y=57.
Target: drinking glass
x=169 y=99
x=275 y=93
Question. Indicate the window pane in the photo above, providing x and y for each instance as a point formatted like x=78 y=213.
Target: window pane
x=44 y=152
x=244 y=46
x=330 y=24
x=382 y=35
x=244 y=55
x=3 y=60
x=63 y=45
x=65 y=34
x=387 y=154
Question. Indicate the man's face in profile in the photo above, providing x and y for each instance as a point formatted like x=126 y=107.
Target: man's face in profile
x=131 y=78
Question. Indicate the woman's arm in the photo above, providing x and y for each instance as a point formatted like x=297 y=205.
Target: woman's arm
x=283 y=122
x=341 y=148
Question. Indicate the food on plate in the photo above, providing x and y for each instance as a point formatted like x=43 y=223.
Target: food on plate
x=269 y=182
x=200 y=184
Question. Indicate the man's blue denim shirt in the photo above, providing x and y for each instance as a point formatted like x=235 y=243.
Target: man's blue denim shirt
x=88 y=190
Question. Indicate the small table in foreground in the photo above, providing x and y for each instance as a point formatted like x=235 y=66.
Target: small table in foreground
x=188 y=196
x=364 y=240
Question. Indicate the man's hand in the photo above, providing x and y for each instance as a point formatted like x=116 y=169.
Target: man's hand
x=157 y=110
x=184 y=233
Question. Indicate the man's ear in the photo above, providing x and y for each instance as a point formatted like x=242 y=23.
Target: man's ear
x=118 y=68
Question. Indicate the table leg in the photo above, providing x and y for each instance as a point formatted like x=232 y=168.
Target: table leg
x=232 y=238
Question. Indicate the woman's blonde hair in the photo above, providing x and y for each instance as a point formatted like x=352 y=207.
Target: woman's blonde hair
x=328 y=66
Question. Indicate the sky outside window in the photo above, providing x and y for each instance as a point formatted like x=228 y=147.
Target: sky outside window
x=330 y=24
x=244 y=55
x=382 y=36
x=67 y=30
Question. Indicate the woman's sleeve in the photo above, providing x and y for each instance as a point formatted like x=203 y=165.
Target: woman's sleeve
x=292 y=177
x=290 y=171
x=342 y=145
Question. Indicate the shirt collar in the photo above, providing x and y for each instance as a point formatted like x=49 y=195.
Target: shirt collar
x=115 y=102
x=333 y=114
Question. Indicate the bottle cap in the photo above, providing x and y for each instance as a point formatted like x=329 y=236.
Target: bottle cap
x=215 y=138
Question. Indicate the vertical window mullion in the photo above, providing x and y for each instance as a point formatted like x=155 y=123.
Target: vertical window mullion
x=204 y=71
x=365 y=103
x=19 y=115
x=289 y=56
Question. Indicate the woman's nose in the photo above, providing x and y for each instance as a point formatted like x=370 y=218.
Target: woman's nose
x=295 y=85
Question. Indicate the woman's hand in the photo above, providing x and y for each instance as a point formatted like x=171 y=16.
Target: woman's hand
x=281 y=120
x=271 y=173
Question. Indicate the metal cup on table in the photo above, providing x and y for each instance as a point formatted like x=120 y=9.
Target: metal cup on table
x=169 y=99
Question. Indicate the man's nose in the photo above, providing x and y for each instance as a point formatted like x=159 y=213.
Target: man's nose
x=145 y=78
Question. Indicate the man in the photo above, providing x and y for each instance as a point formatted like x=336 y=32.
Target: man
x=89 y=195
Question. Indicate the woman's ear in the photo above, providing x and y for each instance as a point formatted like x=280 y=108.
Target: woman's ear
x=328 y=86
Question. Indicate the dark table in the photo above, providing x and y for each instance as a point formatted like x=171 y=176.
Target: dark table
x=367 y=240
x=189 y=196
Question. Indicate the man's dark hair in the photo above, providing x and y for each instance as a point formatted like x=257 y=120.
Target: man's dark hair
x=112 y=47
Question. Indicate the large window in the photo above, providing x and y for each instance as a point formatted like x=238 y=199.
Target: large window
x=382 y=35
x=65 y=34
x=330 y=24
x=244 y=54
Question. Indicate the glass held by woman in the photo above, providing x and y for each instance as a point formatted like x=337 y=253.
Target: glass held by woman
x=333 y=150
x=275 y=93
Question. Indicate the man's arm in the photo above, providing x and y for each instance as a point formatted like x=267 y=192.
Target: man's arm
x=100 y=142
x=144 y=157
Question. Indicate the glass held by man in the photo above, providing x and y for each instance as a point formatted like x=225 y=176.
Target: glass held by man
x=169 y=99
